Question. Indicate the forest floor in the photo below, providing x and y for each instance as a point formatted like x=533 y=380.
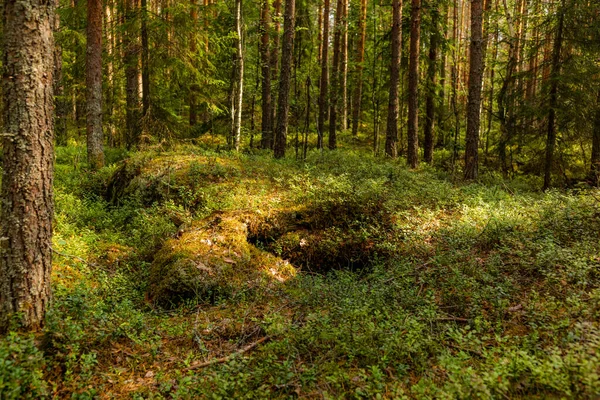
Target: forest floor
x=191 y=273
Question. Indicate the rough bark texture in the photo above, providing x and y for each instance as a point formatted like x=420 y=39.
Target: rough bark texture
x=360 y=59
x=334 y=97
x=237 y=95
x=93 y=75
x=553 y=97
x=267 y=125
x=324 y=81
x=26 y=206
x=130 y=43
x=476 y=66
x=431 y=80
x=413 y=85
x=285 y=77
x=391 y=137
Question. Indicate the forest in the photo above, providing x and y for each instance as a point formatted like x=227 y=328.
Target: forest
x=314 y=199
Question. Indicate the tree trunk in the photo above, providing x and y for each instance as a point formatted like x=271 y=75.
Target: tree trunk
x=27 y=177
x=267 y=125
x=287 y=54
x=413 y=85
x=193 y=50
x=237 y=94
x=60 y=104
x=344 y=69
x=476 y=66
x=360 y=59
x=553 y=97
x=335 y=75
x=93 y=77
x=131 y=77
x=431 y=78
x=324 y=81
x=145 y=60
x=595 y=166
x=275 y=54
x=391 y=137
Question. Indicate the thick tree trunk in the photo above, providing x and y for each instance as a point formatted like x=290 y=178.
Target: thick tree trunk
x=27 y=167
x=476 y=66
x=131 y=77
x=267 y=125
x=360 y=59
x=391 y=137
x=553 y=97
x=334 y=96
x=237 y=95
x=285 y=78
x=413 y=85
x=324 y=81
x=93 y=75
x=431 y=80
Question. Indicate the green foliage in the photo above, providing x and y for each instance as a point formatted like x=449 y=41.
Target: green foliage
x=21 y=368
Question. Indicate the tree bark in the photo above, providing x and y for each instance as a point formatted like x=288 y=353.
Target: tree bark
x=391 y=137
x=334 y=96
x=431 y=78
x=595 y=166
x=344 y=69
x=476 y=66
x=285 y=76
x=237 y=95
x=324 y=81
x=553 y=97
x=131 y=77
x=360 y=59
x=193 y=50
x=267 y=125
x=26 y=198
x=145 y=60
x=275 y=54
x=413 y=85
x=93 y=75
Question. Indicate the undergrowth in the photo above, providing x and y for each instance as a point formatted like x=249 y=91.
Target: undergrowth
x=483 y=290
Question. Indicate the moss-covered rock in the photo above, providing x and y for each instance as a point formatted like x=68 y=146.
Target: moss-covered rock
x=213 y=259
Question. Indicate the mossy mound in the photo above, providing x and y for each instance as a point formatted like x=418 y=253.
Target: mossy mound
x=213 y=260
x=167 y=177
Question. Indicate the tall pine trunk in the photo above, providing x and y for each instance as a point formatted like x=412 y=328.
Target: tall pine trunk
x=360 y=59
x=431 y=80
x=267 y=125
x=145 y=60
x=237 y=95
x=344 y=69
x=595 y=166
x=132 y=138
x=324 y=81
x=285 y=78
x=27 y=166
x=476 y=66
x=413 y=85
x=334 y=97
x=553 y=97
x=93 y=75
x=391 y=137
